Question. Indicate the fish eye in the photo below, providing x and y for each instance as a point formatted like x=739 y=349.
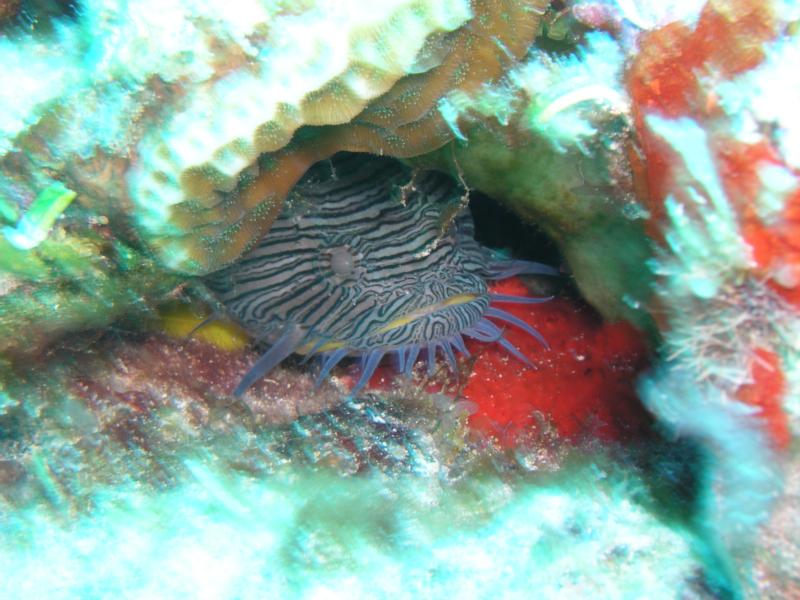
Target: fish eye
x=342 y=261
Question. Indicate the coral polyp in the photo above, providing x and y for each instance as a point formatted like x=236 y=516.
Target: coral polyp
x=368 y=258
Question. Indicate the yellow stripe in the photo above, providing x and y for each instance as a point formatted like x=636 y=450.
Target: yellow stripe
x=424 y=312
x=306 y=348
x=398 y=322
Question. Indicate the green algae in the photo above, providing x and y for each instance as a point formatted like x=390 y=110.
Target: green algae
x=8 y=212
x=40 y=217
x=76 y=278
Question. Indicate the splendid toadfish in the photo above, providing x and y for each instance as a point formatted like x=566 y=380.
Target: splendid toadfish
x=366 y=259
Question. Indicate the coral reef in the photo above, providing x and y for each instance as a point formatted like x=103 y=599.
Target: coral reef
x=721 y=180
x=143 y=143
x=112 y=461
x=72 y=280
x=310 y=534
x=777 y=549
x=200 y=196
x=699 y=154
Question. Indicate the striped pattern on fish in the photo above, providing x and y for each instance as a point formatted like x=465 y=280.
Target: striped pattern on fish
x=367 y=258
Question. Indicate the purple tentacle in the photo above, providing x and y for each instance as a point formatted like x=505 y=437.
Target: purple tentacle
x=411 y=359
x=400 y=355
x=369 y=362
x=509 y=318
x=450 y=356
x=484 y=331
x=458 y=342
x=477 y=335
x=289 y=340
x=518 y=299
x=508 y=268
x=331 y=360
x=315 y=348
x=515 y=351
x=432 y=357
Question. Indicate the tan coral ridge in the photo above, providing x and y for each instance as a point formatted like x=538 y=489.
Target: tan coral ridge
x=208 y=183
